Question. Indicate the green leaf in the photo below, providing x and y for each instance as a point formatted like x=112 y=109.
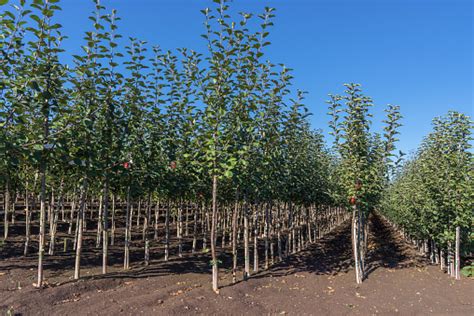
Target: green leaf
x=3 y=2
x=38 y=147
x=468 y=271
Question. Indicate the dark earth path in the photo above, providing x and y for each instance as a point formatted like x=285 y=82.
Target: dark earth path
x=316 y=281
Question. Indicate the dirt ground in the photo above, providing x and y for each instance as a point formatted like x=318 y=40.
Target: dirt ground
x=316 y=281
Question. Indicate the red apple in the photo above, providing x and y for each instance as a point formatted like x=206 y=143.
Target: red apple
x=352 y=200
x=173 y=165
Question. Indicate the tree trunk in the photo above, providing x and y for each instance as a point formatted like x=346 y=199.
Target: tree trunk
x=195 y=230
x=442 y=259
x=179 y=230
x=279 y=225
x=13 y=207
x=145 y=229
x=204 y=225
x=71 y=217
x=266 y=231
x=54 y=222
x=167 y=231
x=105 y=226
x=255 y=239
x=99 y=222
x=362 y=231
x=457 y=257
x=53 y=227
x=356 y=243
x=39 y=283
x=246 y=241
x=215 y=268
x=126 y=258
x=112 y=231
x=80 y=221
x=450 y=260
x=6 y=208
x=157 y=218
x=28 y=221
x=186 y=229
x=234 y=236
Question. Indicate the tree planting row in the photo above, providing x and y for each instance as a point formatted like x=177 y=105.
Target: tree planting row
x=431 y=199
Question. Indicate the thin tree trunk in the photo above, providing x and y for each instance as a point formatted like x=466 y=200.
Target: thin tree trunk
x=279 y=225
x=157 y=218
x=255 y=239
x=39 y=283
x=145 y=229
x=186 y=229
x=204 y=225
x=76 y=231
x=53 y=228
x=356 y=244
x=167 y=231
x=362 y=231
x=105 y=226
x=147 y=241
x=54 y=222
x=71 y=217
x=28 y=220
x=99 y=222
x=457 y=257
x=13 y=207
x=442 y=259
x=112 y=230
x=147 y=248
x=195 y=230
x=6 y=208
x=450 y=259
x=80 y=221
x=266 y=231
x=215 y=268
x=126 y=259
x=246 y=242
x=179 y=230
x=234 y=236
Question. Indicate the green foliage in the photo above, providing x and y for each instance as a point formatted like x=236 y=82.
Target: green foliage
x=468 y=271
x=363 y=158
x=433 y=193
x=161 y=122
x=165 y=123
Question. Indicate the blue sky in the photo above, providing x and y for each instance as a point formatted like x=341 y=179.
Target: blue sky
x=413 y=53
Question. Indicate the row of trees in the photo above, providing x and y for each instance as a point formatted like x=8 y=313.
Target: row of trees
x=188 y=132
x=193 y=147
x=364 y=160
x=431 y=199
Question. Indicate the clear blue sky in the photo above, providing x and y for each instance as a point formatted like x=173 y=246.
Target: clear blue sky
x=414 y=53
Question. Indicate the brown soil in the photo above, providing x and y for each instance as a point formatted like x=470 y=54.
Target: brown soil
x=316 y=281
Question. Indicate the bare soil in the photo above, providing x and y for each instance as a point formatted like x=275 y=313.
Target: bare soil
x=317 y=281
